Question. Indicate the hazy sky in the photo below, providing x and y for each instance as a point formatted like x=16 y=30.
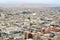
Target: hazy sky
x=31 y=1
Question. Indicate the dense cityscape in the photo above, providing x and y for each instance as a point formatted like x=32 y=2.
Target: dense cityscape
x=15 y=22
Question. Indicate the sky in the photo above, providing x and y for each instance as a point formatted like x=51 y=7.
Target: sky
x=31 y=1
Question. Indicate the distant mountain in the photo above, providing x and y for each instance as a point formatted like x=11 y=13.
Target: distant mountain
x=28 y=5
x=24 y=5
